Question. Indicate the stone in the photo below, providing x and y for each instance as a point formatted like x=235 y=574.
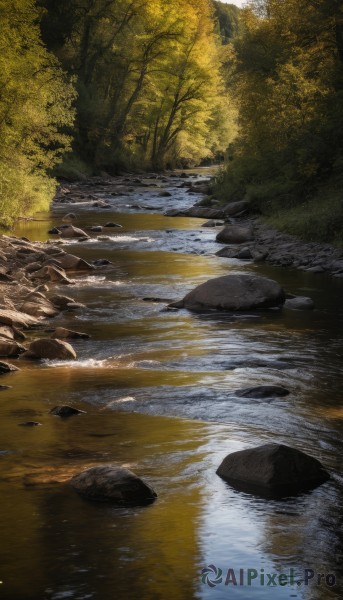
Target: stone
x=235 y=208
x=29 y=424
x=111 y=224
x=66 y=411
x=74 y=263
x=235 y=234
x=96 y=228
x=72 y=232
x=62 y=333
x=234 y=292
x=60 y=301
x=263 y=391
x=52 y=349
x=17 y=319
x=212 y=223
x=10 y=348
x=6 y=332
x=272 y=469
x=52 y=273
x=113 y=484
x=69 y=217
x=7 y=368
x=299 y=303
x=38 y=306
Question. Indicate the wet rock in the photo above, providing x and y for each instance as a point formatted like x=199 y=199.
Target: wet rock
x=52 y=349
x=111 y=224
x=102 y=262
x=62 y=333
x=54 y=231
x=230 y=252
x=263 y=391
x=66 y=411
x=96 y=228
x=113 y=484
x=61 y=301
x=272 y=469
x=235 y=234
x=212 y=223
x=30 y=424
x=3 y=388
x=234 y=293
x=10 y=348
x=72 y=232
x=164 y=194
x=300 y=303
x=69 y=217
x=7 y=368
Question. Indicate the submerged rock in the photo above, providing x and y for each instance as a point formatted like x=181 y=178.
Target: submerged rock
x=272 y=469
x=66 y=411
x=62 y=333
x=234 y=293
x=113 y=484
x=263 y=391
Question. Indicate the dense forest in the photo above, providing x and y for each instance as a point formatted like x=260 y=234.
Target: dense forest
x=286 y=75
x=109 y=85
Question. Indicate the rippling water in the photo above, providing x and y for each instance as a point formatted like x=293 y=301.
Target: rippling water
x=159 y=390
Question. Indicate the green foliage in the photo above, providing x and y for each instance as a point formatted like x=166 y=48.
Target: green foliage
x=228 y=18
x=287 y=74
x=149 y=82
x=35 y=109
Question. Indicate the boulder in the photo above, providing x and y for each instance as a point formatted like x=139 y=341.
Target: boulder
x=61 y=301
x=66 y=411
x=62 y=333
x=74 y=263
x=272 y=469
x=7 y=368
x=38 y=306
x=113 y=484
x=263 y=391
x=17 y=319
x=6 y=332
x=72 y=232
x=299 y=303
x=235 y=234
x=10 y=348
x=235 y=208
x=51 y=273
x=234 y=292
x=52 y=349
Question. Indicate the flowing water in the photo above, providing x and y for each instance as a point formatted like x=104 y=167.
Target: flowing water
x=158 y=390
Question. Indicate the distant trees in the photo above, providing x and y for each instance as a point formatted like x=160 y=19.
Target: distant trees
x=35 y=109
x=148 y=79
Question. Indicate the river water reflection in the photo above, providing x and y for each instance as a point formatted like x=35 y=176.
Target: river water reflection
x=158 y=387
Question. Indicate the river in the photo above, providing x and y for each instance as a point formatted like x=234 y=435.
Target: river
x=158 y=388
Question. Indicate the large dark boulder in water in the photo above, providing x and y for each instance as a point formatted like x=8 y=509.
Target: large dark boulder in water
x=113 y=484
x=272 y=469
x=234 y=292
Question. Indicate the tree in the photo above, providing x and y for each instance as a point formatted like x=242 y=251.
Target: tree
x=35 y=109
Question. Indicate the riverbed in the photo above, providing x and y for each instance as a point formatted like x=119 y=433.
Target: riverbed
x=158 y=387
